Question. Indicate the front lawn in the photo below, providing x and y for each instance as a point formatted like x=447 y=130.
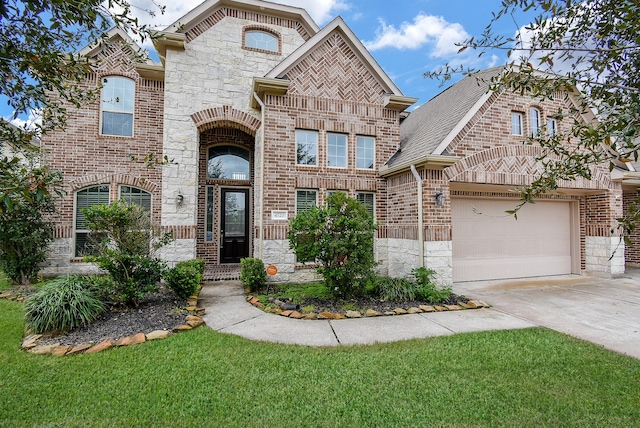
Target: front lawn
x=533 y=377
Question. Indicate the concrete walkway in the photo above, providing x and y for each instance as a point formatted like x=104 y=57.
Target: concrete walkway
x=603 y=311
x=229 y=312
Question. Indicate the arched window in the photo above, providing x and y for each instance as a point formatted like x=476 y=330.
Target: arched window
x=118 y=94
x=262 y=40
x=228 y=162
x=133 y=195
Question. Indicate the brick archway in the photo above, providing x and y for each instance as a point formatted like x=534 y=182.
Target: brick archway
x=225 y=117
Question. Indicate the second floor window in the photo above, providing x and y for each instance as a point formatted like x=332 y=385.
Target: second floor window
x=306 y=147
x=534 y=119
x=118 y=94
x=365 y=152
x=337 y=150
x=516 y=123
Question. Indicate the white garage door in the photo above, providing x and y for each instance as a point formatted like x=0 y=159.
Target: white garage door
x=490 y=244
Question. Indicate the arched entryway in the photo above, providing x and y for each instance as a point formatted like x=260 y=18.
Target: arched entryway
x=225 y=194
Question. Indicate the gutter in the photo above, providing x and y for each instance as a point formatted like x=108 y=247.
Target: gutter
x=261 y=208
x=420 y=215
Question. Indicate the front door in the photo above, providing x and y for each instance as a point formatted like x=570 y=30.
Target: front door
x=234 y=232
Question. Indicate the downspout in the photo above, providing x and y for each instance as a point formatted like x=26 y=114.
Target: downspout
x=420 y=216
x=261 y=208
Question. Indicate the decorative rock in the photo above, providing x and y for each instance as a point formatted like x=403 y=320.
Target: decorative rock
x=474 y=304
x=254 y=300
x=464 y=305
x=107 y=344
x=200 y=311
x=31 y=341
x=326 y=316
x=79 y=348
x=427 y=308
x=485 y=304
x=399 y=311
x=286 y=313
x=453 y=307
x=353 y=314
x=183 y=327
x=4 y=295
x=296 y=315
x=389 y=313
x=372 y=313
x=131 y=340
x=158 y=334
x=192 y=302
x=191 y=308
x=193 y=318
x=259 y=305
x=195 y=323
x=310 y=316
x=340 y=316
x=59 y=351
x=44 y=349
x=414 y=310
x=439 y=308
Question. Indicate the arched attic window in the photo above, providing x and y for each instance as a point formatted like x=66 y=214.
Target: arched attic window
x=261 y=40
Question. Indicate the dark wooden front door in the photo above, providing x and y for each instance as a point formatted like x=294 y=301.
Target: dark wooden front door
x=234 y=225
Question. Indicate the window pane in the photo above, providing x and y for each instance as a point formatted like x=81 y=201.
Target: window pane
x=261 y=40
x=305 y=199
x=228 y=162
x=337 y=150
x=551 y=127
x=516 y=123
x=367 y=199
x=534 y=115
x=117 y=124
x=133 y=195
x=209 y=215
x=365 y=152
x=306 y=147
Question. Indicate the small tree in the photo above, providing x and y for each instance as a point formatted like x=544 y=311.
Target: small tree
x=126 y=239
x=26 y=205
x=338 y=236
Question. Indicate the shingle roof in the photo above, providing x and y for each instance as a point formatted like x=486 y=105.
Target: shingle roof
x=428 y=125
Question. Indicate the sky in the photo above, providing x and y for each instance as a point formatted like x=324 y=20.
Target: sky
x=406 y=38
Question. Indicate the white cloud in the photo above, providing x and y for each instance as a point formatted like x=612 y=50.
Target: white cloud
x=433 y=31
x=320 y=10
x=34 y=120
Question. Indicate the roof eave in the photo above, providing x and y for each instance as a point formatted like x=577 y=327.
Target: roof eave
x=163 y=40
x=264 y=85
x=428 y=161
x=397 y=102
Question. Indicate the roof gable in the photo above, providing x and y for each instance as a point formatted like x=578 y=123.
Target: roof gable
x=335 y=64
x=208 y=13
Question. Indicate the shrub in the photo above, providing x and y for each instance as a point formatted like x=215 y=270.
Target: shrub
x=253 y=274
x=126 y=239
x=427 y=287
x=185 y=277
x=339 y=237
x=62 y=303
x=396 y=289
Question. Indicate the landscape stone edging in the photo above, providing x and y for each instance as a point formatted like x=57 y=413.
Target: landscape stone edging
x=369 y=313
x=30 y=342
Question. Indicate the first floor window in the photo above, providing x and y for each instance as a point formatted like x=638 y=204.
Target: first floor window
x=516 y=123
x=133 y=195
x=365 y=152
x=96 y=195
x=337 y=150
x=306 y=147
x=368 y=201
x=306 y=199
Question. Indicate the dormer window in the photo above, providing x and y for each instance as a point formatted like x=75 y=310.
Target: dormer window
x=261 y=40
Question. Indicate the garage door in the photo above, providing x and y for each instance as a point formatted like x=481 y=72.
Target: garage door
x=489 y=244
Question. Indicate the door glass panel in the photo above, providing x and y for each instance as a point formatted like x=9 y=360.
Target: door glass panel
x=209 y=215
x=234 y=213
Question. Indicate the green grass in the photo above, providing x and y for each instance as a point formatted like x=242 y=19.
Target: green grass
x=4 y=282
x=523 y=378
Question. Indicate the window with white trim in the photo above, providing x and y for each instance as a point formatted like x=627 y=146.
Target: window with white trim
x=306 y=147
x=365 y=152
x=86 y=198
x=262 y=40
x=367 y=199
x=516 y=123
x=337 y=150
x=305 y=199
x=552 y=128
x=118 y=95
x=534 y=121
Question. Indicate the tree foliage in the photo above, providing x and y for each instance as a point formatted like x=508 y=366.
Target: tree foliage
x=339 y=237
x=26 y=226
x=126 y=239
x=592 y=47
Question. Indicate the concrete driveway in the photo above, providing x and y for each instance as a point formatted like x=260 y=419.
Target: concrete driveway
x=602 y=311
